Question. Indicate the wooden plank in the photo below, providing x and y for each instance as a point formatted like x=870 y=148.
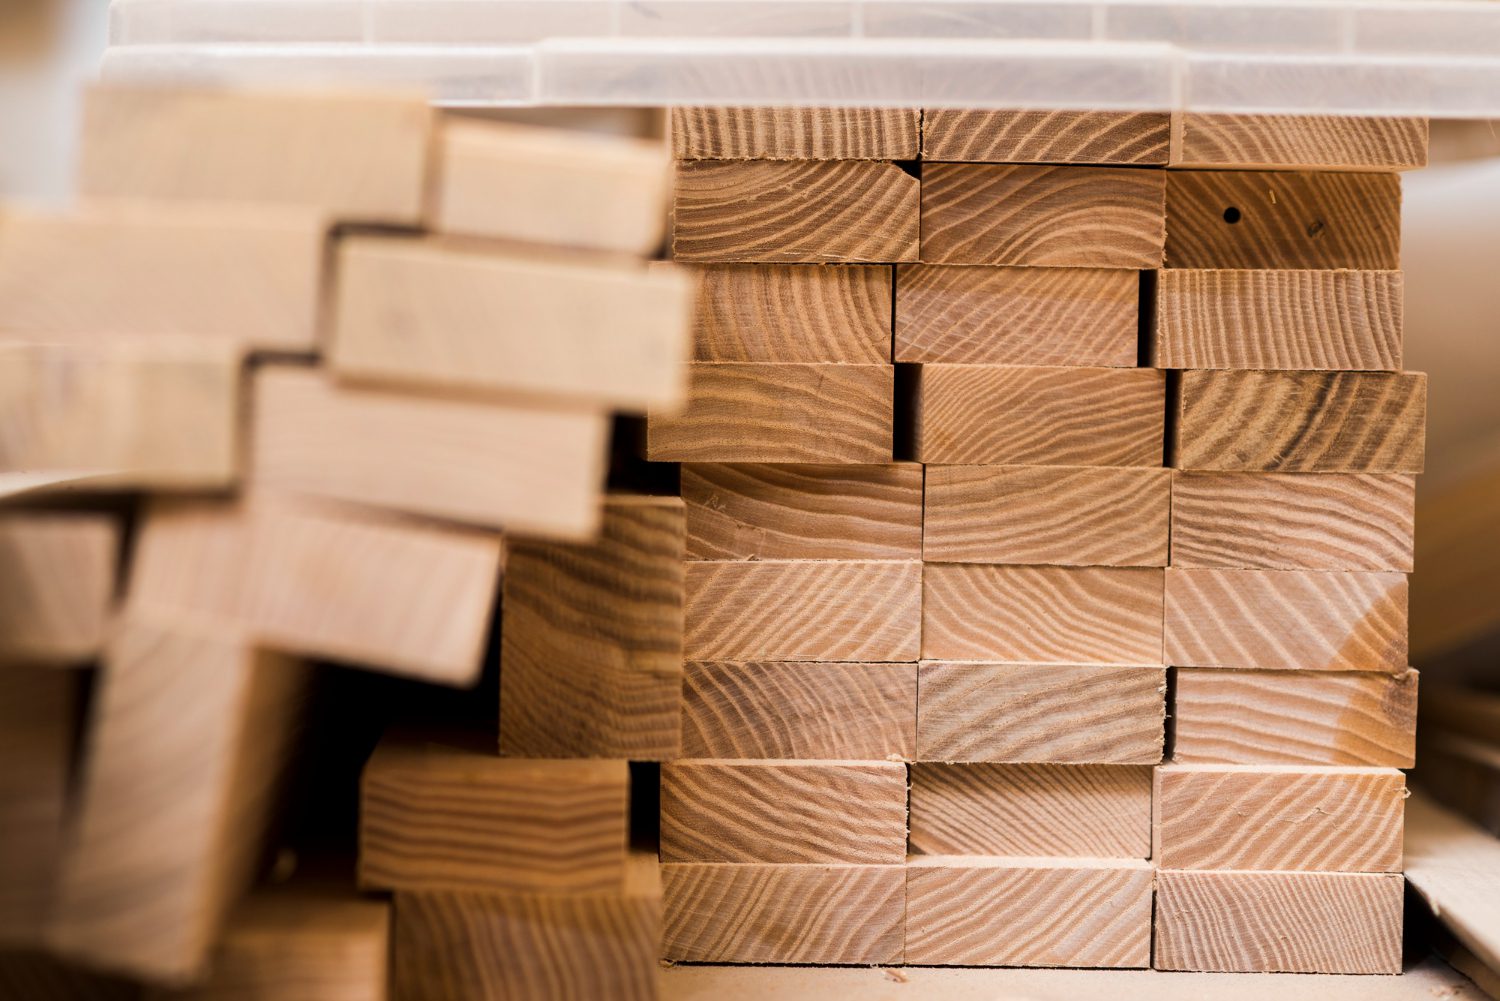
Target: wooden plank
x=803 y=610
x=1078 y=615
x=1291 y=521
x=1278 y=922
x=591 y=639
x=1095 y=811
x=1201 y=139
x=799 y=710
x=1072 y=516
x=1301 y=422
x=1455 y=867
x=1277 y=817
x=771 y=512
x=795 y=212
x=57 y=585
x=1037 y=216
x=1040 y=713
x=1260 y=219
x=1016 y=316
x=1294 y=717
x=997 y=415
x=1119 y=137
x=786 y=812
x=795 y=133
x=1306 y=320
x=726 y=913
x=996 y=911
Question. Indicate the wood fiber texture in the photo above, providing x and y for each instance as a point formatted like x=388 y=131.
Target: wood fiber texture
x=795 y=133
x=1201 y=139
x=57 y=585
x=1115 y=137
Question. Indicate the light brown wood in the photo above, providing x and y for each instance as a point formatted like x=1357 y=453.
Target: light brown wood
x=769 y=512
x=796 y=133
x=1099 y=811
x=1036 y=216
x=795 y=212
x=1078 y=615
x=1073 y=516
x=803 y=610
x=726 y=913
x=1119 y=137
x=1039 y=416
x=1278 y=922
x=57 y=585
x=996 y=911
x=1454 y=867
x=785 y=812
x=1277 y=817
x=1201 y=139
x=1016 y=316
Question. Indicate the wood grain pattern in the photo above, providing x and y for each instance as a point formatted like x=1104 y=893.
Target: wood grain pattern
x=1301 y=422
x=1294 y=717
x=1028 y=912
x=1039 y=416
x=785 y=812
x=770 y=512
x=1016 y=316
x=1122 y=137
x=1078 y=615
x=799 y=710
x=1075 y=516
x=57 y=585
x=748 y=412
x=1290 y=521
x=727 y=913
x=1277 y=817
x=795 y=133
x=1040 y=713
x=1201 y=139
x=1306 y=320
x=1283 y=220
x=1097 y=811
x=1032 y=216
x=803 y=610
x=795 y=212
x=1279 y=922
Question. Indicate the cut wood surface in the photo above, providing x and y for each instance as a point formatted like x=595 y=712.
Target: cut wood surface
x=750 y=412
x=1258 y=219
x=57 y=585
x=1040 y=416
x=1099 y=811
x=1277 y=817
x=1079 y=615
x=1309 y=320
x=1291 y=521
x=1278 y=922
x=1294 y=717
x=783 y=811
x=803 y=610
x=1201 y=139
x=719 y=912
x=796 y=133
x=1016 y=316
x=591 y=639
x=1034 y=216
x=1122 y=137
x=795 y=212
x=799 y=710
x=1076 y=516
x=995 y=911
x=1040 y=713
x=1301 y=422
x=771 y=512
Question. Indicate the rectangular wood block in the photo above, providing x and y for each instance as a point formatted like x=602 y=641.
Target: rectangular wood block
x=1294 y=717
x=746 y=511
x=1016 y=316
x=997 y=911
x=719 y=912
x=1092 y=811
x=57 y=585
x=1042 y=216
x=1301 y=422
x=1035 y=416
x=591 y=639
x=1074 y=516
x=786 y=812
x=798 y=211
x=1201 y=139
x=1040 y=713
x=795 y=133
x=1306 y=320
x=803 y=610
x=1029 y=615
x=1281 y=817
x=1279 y=922
x=1118 y=137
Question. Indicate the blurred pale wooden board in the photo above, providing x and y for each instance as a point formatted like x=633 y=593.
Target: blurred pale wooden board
x=1455 y=867
x=795 y=133
x=57 y=585
x=1324 y=142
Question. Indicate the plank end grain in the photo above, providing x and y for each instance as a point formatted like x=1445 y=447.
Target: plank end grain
x=795 y=133
x=1101 y=137
x=1322 y=142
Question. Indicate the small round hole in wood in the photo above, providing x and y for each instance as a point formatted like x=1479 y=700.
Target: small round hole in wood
x=1231 y=215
